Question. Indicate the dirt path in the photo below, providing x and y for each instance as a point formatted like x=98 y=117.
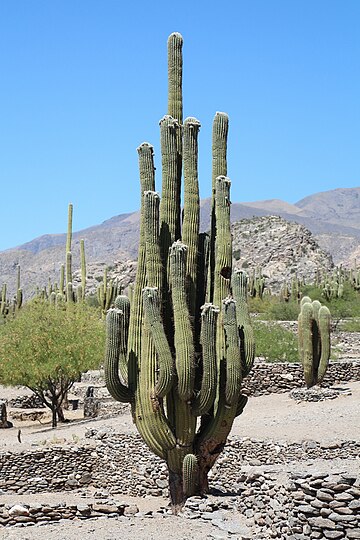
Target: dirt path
x=275 y=416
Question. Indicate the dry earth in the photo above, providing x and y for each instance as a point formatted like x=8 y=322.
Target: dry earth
x=275 y=417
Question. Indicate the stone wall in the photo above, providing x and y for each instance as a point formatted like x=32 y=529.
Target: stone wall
x=302 y=505
x=267 y=378
x=264 y=378
x=37 y=513
x=124 y=464
x=51 y=469
x=314 y=505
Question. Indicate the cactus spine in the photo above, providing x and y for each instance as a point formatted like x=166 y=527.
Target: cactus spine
x=175 y=358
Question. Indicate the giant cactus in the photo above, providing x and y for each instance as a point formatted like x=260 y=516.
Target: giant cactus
x=314 y=340
x=175 y=358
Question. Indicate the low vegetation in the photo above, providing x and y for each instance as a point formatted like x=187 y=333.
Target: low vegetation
x=46 y=349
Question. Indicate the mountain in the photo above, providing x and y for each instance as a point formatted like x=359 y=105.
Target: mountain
x=333 y=217
x=283 y=249
x=340 y=207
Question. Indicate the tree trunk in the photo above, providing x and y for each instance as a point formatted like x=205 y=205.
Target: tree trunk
x=177 y=495
x=54 y=416
x=203 y=480
x=60 y=414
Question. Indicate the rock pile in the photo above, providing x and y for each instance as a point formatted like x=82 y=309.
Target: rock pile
x=315 y=394
x=266 y=378
x=308 y=505
x=325 y=506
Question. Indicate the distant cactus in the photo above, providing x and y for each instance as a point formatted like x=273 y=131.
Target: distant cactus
x=314 y=340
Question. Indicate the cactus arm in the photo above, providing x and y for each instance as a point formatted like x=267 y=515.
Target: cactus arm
x=170 y=202
x=205 y=399
x=219 y=168
x=154 y=271
x=62 y=279
x=233 y=359
x=324 y=330
x=166 y=364
x=191 y=221
x=175 y=106
x=246 y=333
x=151 y=295
x=69 y=228
x=223 y=255
x=306 y=323
x=316 y=305
x=123 y=304
x=19 y=298
x=69 y=292
x=190 y=472
x=115 y=346
x=147 y=183
x=223 y=252
x=3 y=299
x=184 y=345
x=18 y=277
x=68 y=268
x=83 y=268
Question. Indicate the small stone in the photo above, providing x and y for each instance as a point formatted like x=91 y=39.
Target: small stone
x=18 y=510
x=105 y=508
x=333 y=534
x=324 y=496
x=84 y=509
x=353 y=534
x=131 y=510
x=321 y=523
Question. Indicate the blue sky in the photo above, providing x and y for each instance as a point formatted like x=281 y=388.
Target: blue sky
x=84 y=82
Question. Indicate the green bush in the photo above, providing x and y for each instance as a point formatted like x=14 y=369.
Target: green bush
x=341 y=308
x=47 y=349
x=275 y=343
x=274 y=308
x=352 y=325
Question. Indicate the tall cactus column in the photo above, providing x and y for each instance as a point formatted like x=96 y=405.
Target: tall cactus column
x=178 y=361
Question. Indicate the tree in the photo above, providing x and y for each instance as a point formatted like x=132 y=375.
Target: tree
x=46 y=348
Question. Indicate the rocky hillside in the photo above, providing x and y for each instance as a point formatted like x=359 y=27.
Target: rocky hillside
x=282 y=249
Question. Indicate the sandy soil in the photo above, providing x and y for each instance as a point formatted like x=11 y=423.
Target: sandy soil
x=275 y=417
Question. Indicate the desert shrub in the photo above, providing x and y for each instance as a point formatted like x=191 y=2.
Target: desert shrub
x=273 y=308
x=352 y=325
x=341 y=308
x=275 y=343
x=47 y=349
x=283 y=311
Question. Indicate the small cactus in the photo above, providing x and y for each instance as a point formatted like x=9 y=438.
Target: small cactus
x=314 y=340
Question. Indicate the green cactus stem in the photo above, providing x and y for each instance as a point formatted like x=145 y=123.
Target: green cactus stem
x=314 y=340
x=83 y=268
